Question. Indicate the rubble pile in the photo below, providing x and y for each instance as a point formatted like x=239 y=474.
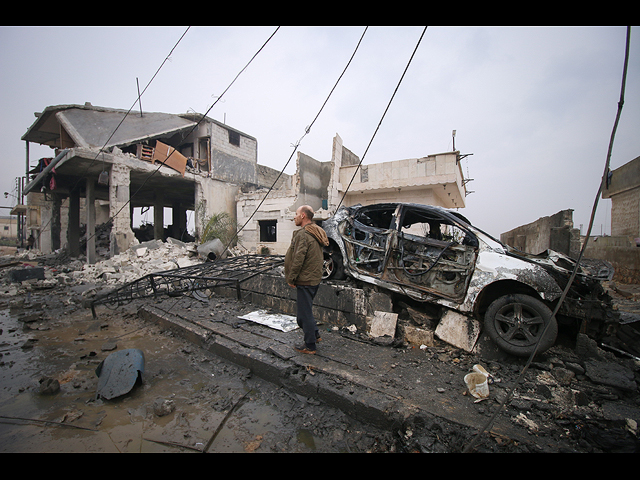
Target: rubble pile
x=138 y=261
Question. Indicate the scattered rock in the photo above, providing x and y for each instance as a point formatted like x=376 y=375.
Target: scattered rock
x=162 y=407
x=563 y=376
x=109 y=346
x=28 y=345
x=49 y=386
x=610 y=374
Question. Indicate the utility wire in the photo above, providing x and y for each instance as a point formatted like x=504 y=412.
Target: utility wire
x=138 y=100
x=603 y=181
x=382 y=118
x=197 y=123
x=192 y=129
x=297 y=144
x=123 y=119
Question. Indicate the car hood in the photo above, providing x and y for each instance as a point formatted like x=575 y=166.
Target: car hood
x=550 y=259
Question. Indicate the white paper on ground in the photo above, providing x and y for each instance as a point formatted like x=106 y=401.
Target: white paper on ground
x=286 y=323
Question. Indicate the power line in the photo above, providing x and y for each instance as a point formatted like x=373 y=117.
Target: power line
x=123 y=119
x=297 y=144
x=192 y=129
x=138 y=100
x=197 y=123
x=575 y=268
x=382 y=118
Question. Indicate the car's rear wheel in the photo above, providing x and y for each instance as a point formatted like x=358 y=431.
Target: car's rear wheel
x=517 y=322
x=332 y=267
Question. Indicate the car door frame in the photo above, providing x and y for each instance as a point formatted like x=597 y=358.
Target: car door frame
x=439 y=267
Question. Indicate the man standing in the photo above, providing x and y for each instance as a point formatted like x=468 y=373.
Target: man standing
x=303 y=270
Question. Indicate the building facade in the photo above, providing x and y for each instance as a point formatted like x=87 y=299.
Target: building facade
x=108 y=162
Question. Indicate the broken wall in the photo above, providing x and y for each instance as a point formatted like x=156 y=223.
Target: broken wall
x=313 y=181
x=432 y=180
x=213 y=197
x=623 y=188
x=555 y=232
x=234 y=155
x=622 y=248
x=622 y=252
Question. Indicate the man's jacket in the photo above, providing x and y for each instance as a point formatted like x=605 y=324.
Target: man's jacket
x=303 y=261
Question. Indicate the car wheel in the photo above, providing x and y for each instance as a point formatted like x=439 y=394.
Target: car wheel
x=517 y=322
x=332 y=267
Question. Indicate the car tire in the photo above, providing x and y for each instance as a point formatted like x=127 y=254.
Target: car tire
x=333 y=268
x=516 y=323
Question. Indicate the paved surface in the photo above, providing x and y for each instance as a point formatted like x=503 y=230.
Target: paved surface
x=377 y=384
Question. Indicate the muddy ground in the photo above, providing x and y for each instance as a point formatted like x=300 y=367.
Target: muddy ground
x=192 y=401
x=189 y=400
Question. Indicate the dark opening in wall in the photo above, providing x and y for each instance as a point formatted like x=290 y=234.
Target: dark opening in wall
x=234 y=138
x=267 y=230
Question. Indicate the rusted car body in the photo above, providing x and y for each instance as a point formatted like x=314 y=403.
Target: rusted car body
x=431 y=254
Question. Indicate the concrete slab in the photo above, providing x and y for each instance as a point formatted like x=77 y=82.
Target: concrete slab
x=458 y=330
x=377 y=384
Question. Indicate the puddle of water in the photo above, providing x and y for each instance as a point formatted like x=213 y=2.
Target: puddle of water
x=306 y=438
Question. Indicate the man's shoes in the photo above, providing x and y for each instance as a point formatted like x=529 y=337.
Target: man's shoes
x=304 y=349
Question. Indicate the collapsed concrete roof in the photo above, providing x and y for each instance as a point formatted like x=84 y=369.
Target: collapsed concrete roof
x=97 y=127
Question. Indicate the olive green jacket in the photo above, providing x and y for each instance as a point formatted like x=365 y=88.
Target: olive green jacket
x=304 y=258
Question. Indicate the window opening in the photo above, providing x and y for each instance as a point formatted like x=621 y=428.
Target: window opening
x=267 y=230
x=234 y=138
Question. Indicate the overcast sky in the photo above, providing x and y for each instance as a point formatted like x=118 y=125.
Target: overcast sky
x=535 y=106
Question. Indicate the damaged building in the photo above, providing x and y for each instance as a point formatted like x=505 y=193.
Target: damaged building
x=555 y=232
x=109 y=162
x=620 y=249
x=434 y=180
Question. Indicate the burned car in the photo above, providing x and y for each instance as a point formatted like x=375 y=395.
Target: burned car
x=431 y=254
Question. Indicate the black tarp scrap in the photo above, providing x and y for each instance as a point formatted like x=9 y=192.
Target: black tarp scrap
x=119 y=373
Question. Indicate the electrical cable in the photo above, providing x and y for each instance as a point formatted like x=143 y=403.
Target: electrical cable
x=382 y=118
x=575 y=268
x=196 y=125
x=297 y=144
x=40 y=231
x=191 y=131
x=138 y=100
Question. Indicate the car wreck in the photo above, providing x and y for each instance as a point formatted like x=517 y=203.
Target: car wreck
x=431 y=254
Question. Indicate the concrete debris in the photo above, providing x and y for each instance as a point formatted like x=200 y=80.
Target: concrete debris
x=49 y=386
x=162 y=407
x=383 y=324
x=458 y=330
x=137 y=261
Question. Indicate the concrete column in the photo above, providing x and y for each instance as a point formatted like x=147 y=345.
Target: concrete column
x=158 y=216
x=90 y=208
x=121 y=234
x=73 y=227
x=55 y=222
x=179 y=215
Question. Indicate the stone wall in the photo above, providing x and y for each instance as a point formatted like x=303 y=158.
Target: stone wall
x=621 y=252
x=555 y=232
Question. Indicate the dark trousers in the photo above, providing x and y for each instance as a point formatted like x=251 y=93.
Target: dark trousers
x=304 y=316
